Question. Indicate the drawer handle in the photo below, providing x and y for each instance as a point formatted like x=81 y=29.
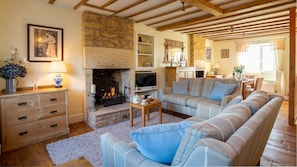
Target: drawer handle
x=22 y=104
x=54 y=125
x=23 y=133
x=53 y=112
x=22 y=118
x=53 y=99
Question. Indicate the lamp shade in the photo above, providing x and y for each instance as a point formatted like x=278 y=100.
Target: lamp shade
x=57 y=66
x=216 y=65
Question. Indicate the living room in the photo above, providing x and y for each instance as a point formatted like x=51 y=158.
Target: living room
x=14 y=35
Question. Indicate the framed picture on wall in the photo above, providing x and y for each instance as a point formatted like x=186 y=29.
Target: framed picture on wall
x=208 y=54
x=45 y=44
x=225 y=53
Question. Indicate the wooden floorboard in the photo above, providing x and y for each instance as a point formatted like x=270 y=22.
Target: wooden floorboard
x=279 y=151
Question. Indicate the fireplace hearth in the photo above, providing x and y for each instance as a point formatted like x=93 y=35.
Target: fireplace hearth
x=109 y=86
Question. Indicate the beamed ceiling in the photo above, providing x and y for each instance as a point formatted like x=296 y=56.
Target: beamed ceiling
x=212 y=19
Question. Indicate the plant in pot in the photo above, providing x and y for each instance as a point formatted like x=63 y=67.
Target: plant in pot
x=238 y=71
x=11 y=69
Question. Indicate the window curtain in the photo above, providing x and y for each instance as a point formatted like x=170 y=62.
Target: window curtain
x=279 y=47
x=241 y=47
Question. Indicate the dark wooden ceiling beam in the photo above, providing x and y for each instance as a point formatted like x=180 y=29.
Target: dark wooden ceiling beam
x=241 y=36
x=237 y=28
x=239 y=23
x=206 y=6
x=98 y=7
x=51 y=1
x=108 y=3
x=188 y=13
x=169 y=19
x=244 y=8
x=247 y=17
x=81 y=3
x=166 y=13
x=152 y=8
x=228 y=31
x=130 y=6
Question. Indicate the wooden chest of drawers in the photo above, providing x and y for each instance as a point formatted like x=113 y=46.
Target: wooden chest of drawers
x=28 y=117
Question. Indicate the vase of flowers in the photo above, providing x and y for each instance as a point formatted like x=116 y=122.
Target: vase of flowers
x=238 y=71
x=12 y=69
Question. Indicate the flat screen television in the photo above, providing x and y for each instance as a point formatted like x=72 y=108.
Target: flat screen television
x=145 y=80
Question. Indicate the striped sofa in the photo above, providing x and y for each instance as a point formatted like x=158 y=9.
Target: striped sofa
x=236 y=136
x=199 y=90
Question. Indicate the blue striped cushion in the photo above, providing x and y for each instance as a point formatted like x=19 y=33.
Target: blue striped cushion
x=159 y=142
x=220 y=127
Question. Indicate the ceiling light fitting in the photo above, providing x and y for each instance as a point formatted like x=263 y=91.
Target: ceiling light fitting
x=231 y=29
x=183 y=9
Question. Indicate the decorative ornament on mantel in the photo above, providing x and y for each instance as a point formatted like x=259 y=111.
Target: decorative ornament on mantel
x=11 y=69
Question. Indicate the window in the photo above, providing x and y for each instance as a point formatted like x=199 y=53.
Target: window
x=260 y=58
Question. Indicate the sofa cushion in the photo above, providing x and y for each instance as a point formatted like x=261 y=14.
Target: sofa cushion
x=195 y=86
x=208 y=85
x=220 y=127
x=235 y=100
x=160 y=142
x=176 y=98
x=220 y=90
x=194 y=101
x=180 y=87
x=256 y=100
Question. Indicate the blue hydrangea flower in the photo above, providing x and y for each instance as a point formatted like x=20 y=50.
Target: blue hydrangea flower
x=12 y=69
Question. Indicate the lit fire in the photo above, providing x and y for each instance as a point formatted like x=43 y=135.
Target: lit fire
x=110 y=94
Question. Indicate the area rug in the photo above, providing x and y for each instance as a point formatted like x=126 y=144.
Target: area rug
x=88 y=145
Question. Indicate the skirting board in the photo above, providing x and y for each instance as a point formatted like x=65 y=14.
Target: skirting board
x=76 y=118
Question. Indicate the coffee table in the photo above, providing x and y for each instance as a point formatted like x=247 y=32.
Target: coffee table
x=144 y=110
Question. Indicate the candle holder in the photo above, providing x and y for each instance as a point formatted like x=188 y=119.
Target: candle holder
x=93 y=100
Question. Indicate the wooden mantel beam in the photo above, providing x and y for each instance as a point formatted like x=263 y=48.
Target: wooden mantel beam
x=51 y=1
x=206 y=6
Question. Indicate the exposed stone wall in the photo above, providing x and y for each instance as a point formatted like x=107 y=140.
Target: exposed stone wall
x=197 y=49
x=107 y=31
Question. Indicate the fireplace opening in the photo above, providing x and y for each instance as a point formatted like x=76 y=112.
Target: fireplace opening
x=109 y=86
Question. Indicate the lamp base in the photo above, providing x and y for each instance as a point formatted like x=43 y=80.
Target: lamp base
x=58 y=81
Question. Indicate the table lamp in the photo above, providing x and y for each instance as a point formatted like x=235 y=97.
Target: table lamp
x=57 y=67
x=216 y=68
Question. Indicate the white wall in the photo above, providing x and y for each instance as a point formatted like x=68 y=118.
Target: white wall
x=15 y=15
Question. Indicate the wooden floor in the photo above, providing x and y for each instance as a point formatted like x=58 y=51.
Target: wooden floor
x=280 y=149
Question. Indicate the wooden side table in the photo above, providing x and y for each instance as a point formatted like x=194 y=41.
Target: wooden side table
x=144 y=110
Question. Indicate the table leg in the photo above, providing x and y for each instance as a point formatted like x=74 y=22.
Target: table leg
x=148 y=114
x=143 y=116
x=160 y=112
x=131 y=116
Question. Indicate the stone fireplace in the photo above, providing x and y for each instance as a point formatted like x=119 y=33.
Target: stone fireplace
x=103 y=59
x=108 y=45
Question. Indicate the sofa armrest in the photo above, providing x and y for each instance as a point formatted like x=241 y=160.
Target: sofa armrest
x=117 y=152
x=226 y=99
x=162 y=92
x=211 y=152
